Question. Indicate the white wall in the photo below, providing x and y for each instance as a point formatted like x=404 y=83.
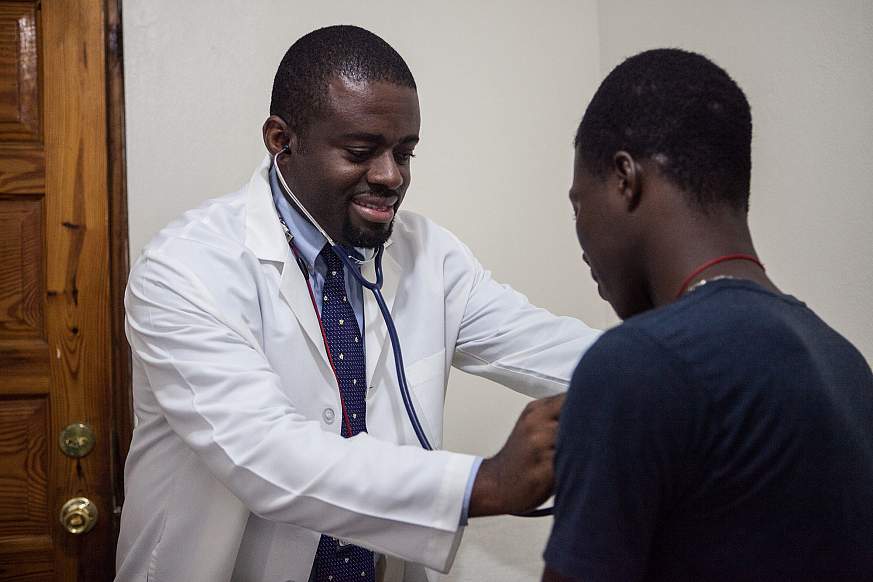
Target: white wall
x=502 y=86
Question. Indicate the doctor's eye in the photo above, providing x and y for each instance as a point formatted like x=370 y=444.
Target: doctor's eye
x=359 y=154
x=403 y=157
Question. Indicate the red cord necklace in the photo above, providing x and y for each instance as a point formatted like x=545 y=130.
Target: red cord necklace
x=713 y=262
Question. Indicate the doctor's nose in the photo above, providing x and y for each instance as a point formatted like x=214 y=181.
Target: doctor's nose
x=385 y=171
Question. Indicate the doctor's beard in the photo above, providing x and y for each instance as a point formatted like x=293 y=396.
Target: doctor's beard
x=366 y=238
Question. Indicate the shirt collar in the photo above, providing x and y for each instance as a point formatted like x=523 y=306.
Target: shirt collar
x=307 y=239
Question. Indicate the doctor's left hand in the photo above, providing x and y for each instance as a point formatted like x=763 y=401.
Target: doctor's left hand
x=521 y=476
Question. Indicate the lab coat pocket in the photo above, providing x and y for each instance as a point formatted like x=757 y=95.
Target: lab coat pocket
x=427 y=388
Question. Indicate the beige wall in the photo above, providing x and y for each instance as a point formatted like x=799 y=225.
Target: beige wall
x=502 y=86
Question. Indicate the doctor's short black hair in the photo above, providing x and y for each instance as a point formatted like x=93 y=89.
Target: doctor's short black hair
x=681 y=110
x=300 y=86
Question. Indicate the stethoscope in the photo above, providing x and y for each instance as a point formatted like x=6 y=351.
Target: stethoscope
x=353 y=264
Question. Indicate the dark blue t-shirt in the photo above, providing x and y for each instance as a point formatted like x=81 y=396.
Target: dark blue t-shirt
x=726 y=436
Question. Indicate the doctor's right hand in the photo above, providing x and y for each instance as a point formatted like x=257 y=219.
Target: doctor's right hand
x=521 y=476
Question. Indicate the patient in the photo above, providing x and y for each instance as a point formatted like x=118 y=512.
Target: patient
x=723 y=431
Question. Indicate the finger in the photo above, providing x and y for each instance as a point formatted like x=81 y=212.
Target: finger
x=556 y=398
x=555 y=403
x=551 y=431
x=547 y=407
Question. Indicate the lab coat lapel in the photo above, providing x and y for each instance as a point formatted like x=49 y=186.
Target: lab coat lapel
x=377 y=343
x=295 y=292
x=266 y=238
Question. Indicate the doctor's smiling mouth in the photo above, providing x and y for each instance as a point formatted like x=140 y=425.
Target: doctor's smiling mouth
x=378 y=208
x=374 y=212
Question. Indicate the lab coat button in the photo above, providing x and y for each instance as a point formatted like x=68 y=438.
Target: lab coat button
x=328 y=415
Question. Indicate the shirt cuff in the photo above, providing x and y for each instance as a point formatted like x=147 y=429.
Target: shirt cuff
x=465 y=509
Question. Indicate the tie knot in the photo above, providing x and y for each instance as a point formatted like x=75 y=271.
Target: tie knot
x=332 y=261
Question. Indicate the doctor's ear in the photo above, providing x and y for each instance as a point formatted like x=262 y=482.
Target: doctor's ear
x=278 y=136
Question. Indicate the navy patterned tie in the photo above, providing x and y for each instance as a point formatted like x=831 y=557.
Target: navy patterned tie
x=335 y=560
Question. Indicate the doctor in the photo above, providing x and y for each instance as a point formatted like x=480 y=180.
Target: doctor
x=272 y=442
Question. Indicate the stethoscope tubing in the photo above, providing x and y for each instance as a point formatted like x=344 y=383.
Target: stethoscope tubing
x=376 y=288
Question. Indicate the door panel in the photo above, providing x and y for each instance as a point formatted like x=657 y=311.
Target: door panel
x=21 y=309
x=23 y=471
x=55 y=317
x=19 y=72
x=25 y=527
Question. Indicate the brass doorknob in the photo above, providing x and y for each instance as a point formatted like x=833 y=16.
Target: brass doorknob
x=78 y=515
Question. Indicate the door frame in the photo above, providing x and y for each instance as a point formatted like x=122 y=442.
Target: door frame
x=119 y=257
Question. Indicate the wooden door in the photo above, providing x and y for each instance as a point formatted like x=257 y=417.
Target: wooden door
x=56 y=322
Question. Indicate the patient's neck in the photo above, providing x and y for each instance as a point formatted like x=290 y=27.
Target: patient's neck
x=690 y=240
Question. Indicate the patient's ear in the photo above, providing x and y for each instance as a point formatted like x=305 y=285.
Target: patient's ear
x=629 y=177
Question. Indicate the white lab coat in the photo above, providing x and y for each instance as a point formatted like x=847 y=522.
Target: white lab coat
x=236 y=463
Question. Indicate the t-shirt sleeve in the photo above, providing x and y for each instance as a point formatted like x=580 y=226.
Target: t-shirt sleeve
x=625 y=434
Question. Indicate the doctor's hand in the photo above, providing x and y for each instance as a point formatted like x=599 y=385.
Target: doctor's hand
x=521 y=476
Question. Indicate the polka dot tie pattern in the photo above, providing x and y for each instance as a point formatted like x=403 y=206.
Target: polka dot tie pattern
x=336 y=560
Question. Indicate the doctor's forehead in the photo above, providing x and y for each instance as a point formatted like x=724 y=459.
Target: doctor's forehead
x=382 y=104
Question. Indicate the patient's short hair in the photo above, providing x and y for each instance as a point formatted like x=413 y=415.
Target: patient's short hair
x=680 y=110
